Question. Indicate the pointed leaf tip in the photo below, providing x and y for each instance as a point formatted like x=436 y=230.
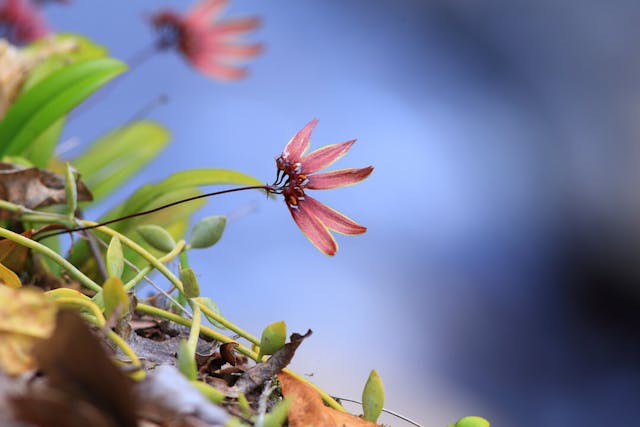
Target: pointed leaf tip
x=373 y=397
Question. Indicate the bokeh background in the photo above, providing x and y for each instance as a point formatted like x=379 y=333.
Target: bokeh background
x=500 y=272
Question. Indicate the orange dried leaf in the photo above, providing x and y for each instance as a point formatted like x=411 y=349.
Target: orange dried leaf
x=307 y=408
x=26 y=314
x=13 y=255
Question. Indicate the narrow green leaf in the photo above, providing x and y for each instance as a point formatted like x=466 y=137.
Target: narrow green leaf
x=71 y=190
x=40 y=153
x=157 y=237
x=114 y=296
x=208 y=231
x=112 y=159
x=373 y=397
x=190 y=283
x=243 y=404
x=115 y=258
x=39 y=107
x=472 y=421
x=278 y=414
x=273 y=338
x=186 y=361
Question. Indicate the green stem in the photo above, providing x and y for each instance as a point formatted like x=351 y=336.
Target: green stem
x=147 y=269
x=227 y=324
x=196 y=324
x=155 y=262
x=51 y=254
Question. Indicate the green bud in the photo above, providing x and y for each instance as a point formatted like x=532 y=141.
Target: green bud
x=157 y=237
x=114 y=296
x=71 y=190
x=373 y=397
x=208 y=231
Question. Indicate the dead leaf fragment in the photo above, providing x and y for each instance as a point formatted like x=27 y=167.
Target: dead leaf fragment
x=76 y=363
x=13 y=255
x=307 y=408
x=26 y=314
x=35 y=188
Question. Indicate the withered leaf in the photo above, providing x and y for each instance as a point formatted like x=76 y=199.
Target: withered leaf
x=307 y=408
x=257 y=375
x=35 y=188
x=12 y=255
x=76 y=363
x=26 y=314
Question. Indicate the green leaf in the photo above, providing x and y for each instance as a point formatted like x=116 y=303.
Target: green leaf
x=273 y=338
x=211 y=305
x=208 y=231
x=115 y=258
x=186 y=361
x=39 y=107
x=146 y=196
x=278 y=414
x=60 y=50
x=190 y=283
x=213 y=394
x=472 y=421
x=373 y=397
x=114 y=296
x=157 y=237
x=112 y=159
x=243 y=404
x=41 y=151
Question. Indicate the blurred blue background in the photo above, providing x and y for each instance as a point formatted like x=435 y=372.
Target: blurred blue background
x=500 y=272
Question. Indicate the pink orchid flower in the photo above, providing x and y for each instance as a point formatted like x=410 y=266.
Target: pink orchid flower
x=20 y=22
x=209 y=44
x=297 y=173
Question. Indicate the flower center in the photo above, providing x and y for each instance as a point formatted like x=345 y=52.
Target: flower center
x=290 y=182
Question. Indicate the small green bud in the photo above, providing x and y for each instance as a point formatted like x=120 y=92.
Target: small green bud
x=71 y=190
x=472 y=421
x=114 y=296
x=157 y=237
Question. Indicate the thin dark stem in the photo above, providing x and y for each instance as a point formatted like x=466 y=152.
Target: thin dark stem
x=267 y=188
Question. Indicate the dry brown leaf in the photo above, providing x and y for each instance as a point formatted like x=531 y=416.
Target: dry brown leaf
x=75 y=362
x=34 y=188
x=13 y=255
x=26 y=314
x=307 y=408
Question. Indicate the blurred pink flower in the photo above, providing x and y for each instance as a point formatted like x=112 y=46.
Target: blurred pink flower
x=20 y=22
x=297 y=173
x=209 y=44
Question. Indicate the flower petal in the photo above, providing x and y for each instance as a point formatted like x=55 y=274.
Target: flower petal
x=203 y=13
x=228 y=51
x=324 y=156
x=332 y=218
x=338 y=178
x=237 y=26
x=316 y=232
x=299 y=143
x=216 y=69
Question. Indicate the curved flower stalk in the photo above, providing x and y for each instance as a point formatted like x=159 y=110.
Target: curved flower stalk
x=20 y=22
x=208 y=43
x=297 y=173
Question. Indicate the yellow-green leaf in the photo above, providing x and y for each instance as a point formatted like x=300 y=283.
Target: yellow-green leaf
x=157 y=237
x=472 y=421
x=208 y=231
x=190 y=283
x=114 y=297
x=187 y=361
x=115 y=259
x=9 y=278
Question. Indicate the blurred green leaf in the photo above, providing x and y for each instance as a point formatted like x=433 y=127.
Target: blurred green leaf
x=373 y=397
x=278 y=414
x=472 y=421
x=39 y=107
x=186 y=361
x=71 y=190
x=112 y=159
x=42 y=149
x=114 y=296
x=273 y=338
x=146 y=196
x=208 y=231
x=60 y=51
